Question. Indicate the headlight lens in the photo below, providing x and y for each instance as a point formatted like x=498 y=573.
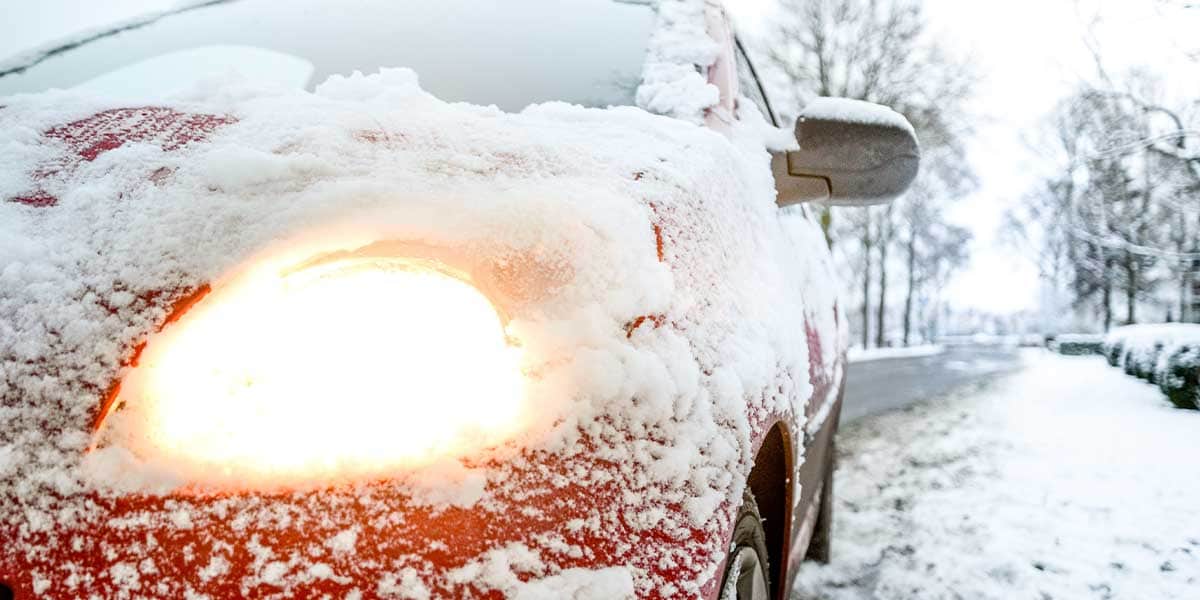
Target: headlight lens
x=354 y=367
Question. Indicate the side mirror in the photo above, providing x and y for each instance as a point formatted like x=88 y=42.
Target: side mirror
x=851 y=153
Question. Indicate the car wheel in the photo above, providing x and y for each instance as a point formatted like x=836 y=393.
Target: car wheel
x=820 y=547
x=746 y=566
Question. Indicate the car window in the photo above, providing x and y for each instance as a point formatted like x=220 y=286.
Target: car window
x=749 y=85
x=510 y=54
x=158 y=76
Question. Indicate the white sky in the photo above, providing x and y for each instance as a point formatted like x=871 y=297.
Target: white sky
x=1029 y=51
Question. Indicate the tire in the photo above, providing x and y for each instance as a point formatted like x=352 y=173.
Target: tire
x=820 y=548
x=746 y=567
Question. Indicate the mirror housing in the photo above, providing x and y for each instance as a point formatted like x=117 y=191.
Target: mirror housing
x=852 y=153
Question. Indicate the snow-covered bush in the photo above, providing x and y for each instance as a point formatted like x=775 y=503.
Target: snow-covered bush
x=1178 y=375
x=1141 y=359
x=1165 y=354
x=1078 y=344
x=1113 y=351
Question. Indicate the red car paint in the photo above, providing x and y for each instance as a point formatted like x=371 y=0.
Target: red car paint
x=86 y=139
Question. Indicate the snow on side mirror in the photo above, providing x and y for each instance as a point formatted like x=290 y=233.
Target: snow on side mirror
x=851 y=153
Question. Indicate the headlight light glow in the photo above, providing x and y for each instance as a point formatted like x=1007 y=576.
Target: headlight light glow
x=348 y=367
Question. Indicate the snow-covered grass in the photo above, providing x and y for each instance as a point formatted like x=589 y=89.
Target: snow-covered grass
x=1067 y=480
x=857 y=354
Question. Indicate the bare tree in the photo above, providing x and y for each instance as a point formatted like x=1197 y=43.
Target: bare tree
x=1125 y=202
x=885 y=236
x=932 y=250
x=859 y=227
x=878 y=51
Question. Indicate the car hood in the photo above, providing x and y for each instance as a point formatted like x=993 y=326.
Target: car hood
x=641 y=262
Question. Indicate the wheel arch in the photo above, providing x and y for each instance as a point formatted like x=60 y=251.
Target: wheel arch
x=772 y=482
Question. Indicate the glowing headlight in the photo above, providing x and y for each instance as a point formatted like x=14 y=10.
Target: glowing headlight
x=352 y=367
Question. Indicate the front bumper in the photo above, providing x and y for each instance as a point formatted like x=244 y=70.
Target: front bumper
x=549 y=513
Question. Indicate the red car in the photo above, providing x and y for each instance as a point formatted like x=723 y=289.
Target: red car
x=260 y=338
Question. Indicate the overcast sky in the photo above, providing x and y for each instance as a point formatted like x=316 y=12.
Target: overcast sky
x=1030 y=53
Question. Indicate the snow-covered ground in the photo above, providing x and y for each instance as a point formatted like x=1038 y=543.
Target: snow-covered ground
x=857 y=354
x=1067 y=480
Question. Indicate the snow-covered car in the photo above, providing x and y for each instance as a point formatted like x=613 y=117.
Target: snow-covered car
x=559 y=327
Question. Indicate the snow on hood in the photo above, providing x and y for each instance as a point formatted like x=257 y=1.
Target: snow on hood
x=556 y=186
x=653 y=286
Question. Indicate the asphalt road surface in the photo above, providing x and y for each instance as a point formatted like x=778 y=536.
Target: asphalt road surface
x=877 y=386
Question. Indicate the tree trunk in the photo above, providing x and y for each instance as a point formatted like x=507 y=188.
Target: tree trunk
x=1184 y=284
x=1131 y=290
x=1181 y=246
x=881 y=306
x=1107 y=295
x=912 y=286
x=866 y=299
x=1194 y=293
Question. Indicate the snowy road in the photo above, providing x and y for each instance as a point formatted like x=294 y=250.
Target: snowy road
x=879 y=385
x=1066 y=480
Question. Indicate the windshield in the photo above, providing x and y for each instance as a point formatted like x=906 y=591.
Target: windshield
x=510 y=54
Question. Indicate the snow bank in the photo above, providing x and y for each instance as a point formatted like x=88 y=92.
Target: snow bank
x=658 y=297
x=857 y=354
